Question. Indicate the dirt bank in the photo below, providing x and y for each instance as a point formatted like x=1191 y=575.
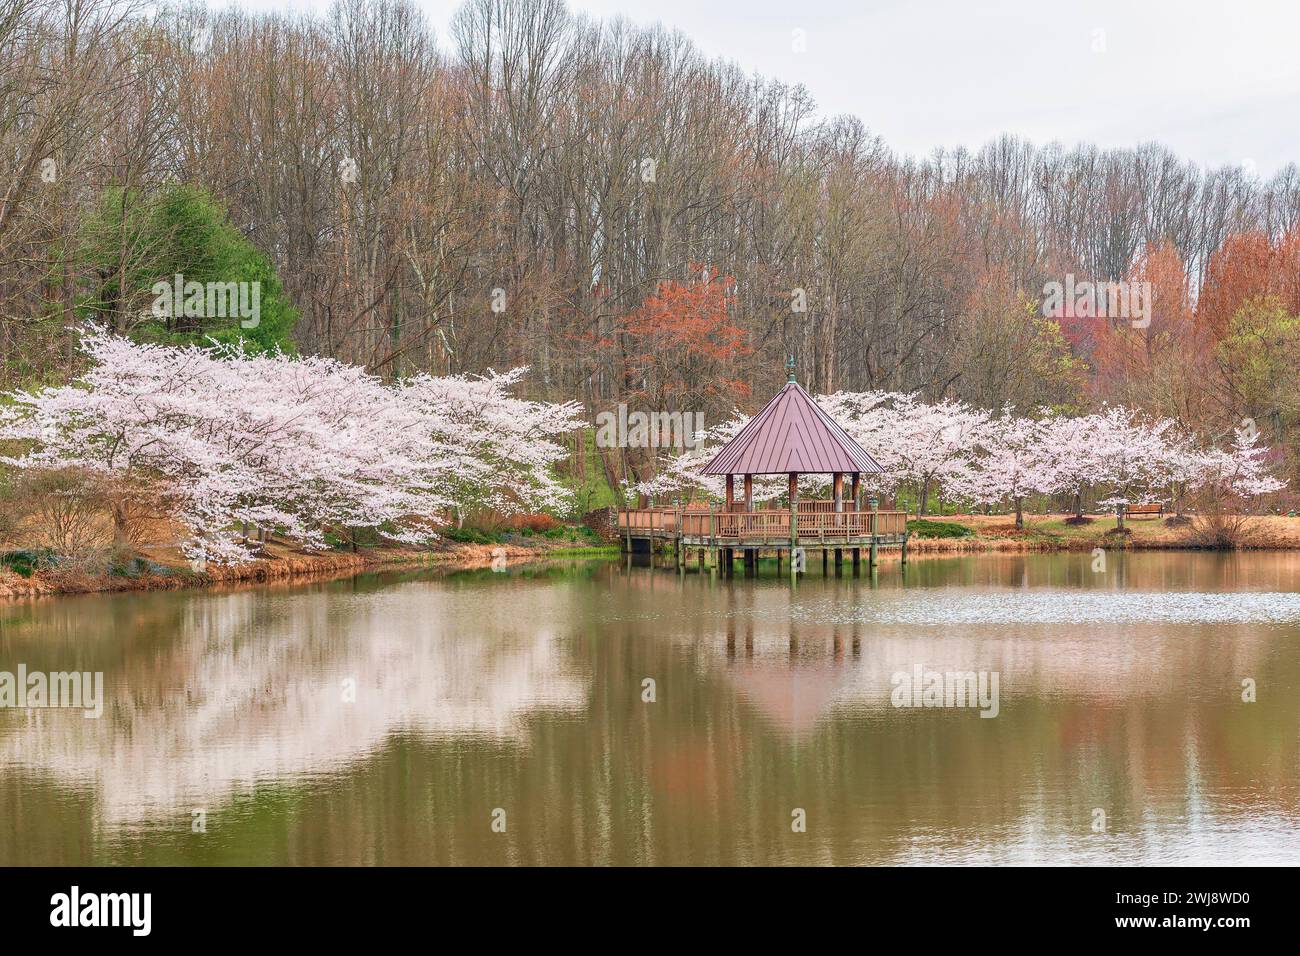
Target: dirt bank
x=282 y=564
x=1054 y=532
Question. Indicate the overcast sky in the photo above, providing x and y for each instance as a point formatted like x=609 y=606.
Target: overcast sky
x=1218 y=81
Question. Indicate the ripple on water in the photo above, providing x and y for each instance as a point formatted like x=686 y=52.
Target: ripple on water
x=1058 y=607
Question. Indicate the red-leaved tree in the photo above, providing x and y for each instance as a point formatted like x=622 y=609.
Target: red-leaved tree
x=681 y=350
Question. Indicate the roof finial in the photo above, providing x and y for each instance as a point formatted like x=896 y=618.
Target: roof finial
x=789 y=367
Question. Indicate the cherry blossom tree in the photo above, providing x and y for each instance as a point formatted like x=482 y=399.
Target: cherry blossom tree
x=1183 y=464
x=681 y=477
x=1016 y=462
x=507 y=446
x=1228 y=481
x=1131 y=456
x=297 y=446
x=926 y=445
x=1072 y=444
x=1241 y=469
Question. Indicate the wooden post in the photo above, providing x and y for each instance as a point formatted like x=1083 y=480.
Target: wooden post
x=677 y=544
x=794 y=517
x=627 y=524
x=713 y=543
x=857 y=503
x=903 y=552
x=857 y=561
x=726 y=568
x=837 y=492
x=751 y=556
x=794 y=507
x=875 y=524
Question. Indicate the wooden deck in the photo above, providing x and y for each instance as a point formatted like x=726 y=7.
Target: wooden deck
x=817 y=526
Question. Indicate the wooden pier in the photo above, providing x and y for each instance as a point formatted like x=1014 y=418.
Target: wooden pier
x=717 y=534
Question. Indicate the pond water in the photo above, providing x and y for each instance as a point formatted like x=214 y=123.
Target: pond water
x=408 y=718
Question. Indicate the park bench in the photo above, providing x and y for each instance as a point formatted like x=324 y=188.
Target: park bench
x=1149 y=511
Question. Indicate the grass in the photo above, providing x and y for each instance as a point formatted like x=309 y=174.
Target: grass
x=571 y=533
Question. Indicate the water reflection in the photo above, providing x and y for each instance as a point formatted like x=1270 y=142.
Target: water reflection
x=248 y=690
x=524 y=691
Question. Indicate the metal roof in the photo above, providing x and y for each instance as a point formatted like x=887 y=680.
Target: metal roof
x=791 y=434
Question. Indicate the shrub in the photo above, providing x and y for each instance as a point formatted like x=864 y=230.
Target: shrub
x=1221 y=531
x=923 y=528
x=63 y=510
x=471 y=536
x=1220 y=521
x=136 y=567
x=529 y=524
x=26 y=563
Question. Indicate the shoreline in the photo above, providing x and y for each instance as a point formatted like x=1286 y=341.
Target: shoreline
x=286 y=568
x=1043 y=534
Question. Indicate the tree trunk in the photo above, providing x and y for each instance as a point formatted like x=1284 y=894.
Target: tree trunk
x=1078 y=503
x=121 y=533
x=1020 y=514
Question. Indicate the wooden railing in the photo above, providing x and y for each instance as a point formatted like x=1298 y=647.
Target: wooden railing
x=649 y=519
x=809 y=506
x=767 y=525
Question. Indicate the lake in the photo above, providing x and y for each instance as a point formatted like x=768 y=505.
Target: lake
x=585 y=712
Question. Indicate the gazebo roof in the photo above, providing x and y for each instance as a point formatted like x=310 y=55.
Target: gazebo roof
x=791 y=434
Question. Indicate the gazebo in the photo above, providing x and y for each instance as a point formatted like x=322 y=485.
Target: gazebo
x=791 y=436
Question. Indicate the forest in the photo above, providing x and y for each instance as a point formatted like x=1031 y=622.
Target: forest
x=600 y=202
